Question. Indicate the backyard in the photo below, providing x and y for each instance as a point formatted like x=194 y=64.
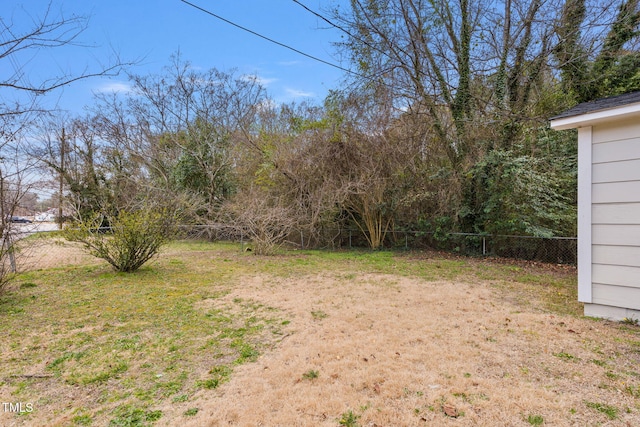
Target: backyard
x=207 y=334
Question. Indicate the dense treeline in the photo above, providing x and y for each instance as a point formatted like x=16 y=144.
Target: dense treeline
x=442 y=126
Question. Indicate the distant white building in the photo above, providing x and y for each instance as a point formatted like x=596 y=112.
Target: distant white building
x=49 y=215
x=608 y=204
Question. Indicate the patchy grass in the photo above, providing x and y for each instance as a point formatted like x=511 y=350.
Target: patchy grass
x=610 y=411
x=349 y=419
x=128 y=416
x=129 y=340
x=535 y=420
x=89 y=346
x=311 y=374
x=319 y=314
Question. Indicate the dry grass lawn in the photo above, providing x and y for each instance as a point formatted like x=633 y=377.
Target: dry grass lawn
x=399 y=351
x=491 y=344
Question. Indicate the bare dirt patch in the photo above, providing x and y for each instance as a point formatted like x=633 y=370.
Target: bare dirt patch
x=398 y=351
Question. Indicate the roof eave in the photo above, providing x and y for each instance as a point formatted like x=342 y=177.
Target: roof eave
x=595 y=117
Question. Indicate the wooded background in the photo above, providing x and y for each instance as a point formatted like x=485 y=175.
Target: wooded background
x=441 y=126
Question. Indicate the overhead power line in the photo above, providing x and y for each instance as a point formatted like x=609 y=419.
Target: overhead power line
x=347 y=32
x=346 y=70
x=334 y=25
x=208 y=12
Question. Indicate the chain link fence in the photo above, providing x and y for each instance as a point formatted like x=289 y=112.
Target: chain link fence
x=558 y=250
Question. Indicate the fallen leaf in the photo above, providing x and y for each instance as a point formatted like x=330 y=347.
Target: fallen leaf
x=450 y=411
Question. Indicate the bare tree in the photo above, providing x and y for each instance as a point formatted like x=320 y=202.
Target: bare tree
x=264 y=219
x=344 y=164
x=16 y=184
x=70 y=152
x=290 y=156
x=182 y=128
x=379 y=161
x=48 y=31
x=596 y=63
x=21 y=93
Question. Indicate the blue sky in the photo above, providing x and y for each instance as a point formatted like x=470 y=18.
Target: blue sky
x=151 y=31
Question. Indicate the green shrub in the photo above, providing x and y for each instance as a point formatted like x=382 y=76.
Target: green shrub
x=131 y=239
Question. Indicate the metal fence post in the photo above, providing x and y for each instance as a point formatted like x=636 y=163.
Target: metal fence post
x=12 y=254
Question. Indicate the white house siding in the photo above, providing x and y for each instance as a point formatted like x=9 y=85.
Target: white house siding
x=616 y=255
x=616 y=297
x=615 y=216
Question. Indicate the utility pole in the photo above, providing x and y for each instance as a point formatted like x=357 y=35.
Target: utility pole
x=3 y=218
x=5 y=232
x=60 y=190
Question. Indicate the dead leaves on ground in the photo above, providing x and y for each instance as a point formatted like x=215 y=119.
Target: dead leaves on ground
x=450 y=411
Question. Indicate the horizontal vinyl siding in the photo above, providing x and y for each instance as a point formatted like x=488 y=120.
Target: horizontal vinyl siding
x=616 y=213
x=628 y=170
x=618 y=296
x=617 y=275
x=616 y=151
x=623 y=235
x=616 y=192
x=616 y=130
x=616 y=255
